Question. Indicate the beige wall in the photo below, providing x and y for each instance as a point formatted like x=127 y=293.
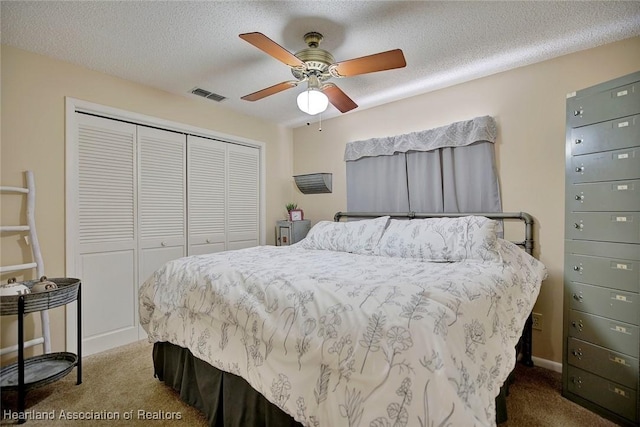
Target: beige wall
x=529 y=106
x=34 y=88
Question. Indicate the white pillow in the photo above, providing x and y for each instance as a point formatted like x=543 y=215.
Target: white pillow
x=441 y=239
x=358 y=237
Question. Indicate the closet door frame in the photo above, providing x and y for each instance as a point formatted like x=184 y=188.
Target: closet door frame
x=73 y=106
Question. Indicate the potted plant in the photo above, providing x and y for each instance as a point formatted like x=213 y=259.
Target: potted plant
x=291 y=206
x=293 y=213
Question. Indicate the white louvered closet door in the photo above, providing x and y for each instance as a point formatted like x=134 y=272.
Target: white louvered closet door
x=161 y=198
x=135 y=200
x=243 y=196
x=106 y=222
x=206 y=184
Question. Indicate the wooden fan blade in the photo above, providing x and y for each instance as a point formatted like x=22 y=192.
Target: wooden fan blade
x=272 y=48
x=368 y=64
x=270 y=90
x=338 y=98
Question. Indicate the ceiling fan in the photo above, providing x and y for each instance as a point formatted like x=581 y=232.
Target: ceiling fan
x=315 y=66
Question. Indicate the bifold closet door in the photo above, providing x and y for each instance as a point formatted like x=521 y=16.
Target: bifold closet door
x=243 y=196
x=223 y=195
x=206 y=183
x=161 y=198
x=105 y=192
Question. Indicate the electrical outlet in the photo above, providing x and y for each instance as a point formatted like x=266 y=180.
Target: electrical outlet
x=537 y=321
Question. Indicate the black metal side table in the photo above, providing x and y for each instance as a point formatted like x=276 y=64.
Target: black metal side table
x=37 y=371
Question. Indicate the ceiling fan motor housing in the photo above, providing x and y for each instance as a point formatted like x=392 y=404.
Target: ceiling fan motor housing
x=317 y=60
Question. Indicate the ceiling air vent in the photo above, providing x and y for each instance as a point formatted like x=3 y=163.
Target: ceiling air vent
x=206 y=94
x=314 y=183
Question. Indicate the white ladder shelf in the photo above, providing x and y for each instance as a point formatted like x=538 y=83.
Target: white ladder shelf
x=38 y=264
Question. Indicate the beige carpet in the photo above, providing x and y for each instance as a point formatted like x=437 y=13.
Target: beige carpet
x=120 y=383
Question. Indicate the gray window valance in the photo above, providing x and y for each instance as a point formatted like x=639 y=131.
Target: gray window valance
x=457 y=134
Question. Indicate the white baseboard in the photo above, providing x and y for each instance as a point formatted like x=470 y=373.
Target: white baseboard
x=547 y=364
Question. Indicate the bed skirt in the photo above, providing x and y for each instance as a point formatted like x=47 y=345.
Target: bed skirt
x=227 y=400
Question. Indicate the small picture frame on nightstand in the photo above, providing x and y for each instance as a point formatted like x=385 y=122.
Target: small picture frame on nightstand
x=296 y=215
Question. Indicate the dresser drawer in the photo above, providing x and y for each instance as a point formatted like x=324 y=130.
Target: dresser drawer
x=604 y=226
x=603 y=249
x=621 y=101
x=608 y=394
x=605 y=166
x=604 y=196
x=613 y=273
x=611 y=334
x=611 y=135
x=605 y=302
x=617 y=367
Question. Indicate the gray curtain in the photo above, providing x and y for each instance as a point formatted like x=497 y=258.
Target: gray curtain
x=447 y=169
x=377 y=184
x=460 y=179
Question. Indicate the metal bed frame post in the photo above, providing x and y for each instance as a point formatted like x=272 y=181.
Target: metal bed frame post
x=525 y=344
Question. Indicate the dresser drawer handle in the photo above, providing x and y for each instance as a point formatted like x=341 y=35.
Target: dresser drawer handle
x=163 y=244
x=577 y=112
x=578 y=226
x=577 y=381
x=577 y=353
x=580 y=169
x=577 y=268
x=579 y=197
x=577 y=297
x=578 y=141
x=208 y=240
x=578 y=325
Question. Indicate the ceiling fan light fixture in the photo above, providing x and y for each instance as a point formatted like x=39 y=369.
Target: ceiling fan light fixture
x=312 y=101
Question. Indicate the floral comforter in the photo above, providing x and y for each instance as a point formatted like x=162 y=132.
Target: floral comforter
x=339 y=339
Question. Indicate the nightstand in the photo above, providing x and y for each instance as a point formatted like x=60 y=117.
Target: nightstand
x=290 y=232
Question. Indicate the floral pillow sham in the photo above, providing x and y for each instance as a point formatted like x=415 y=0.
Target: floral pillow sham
x=358 y=237
x=441 y=239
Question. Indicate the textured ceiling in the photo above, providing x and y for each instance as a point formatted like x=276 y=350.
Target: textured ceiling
x=178 y=45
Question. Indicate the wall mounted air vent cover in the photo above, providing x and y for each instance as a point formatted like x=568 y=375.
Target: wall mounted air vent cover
x=314 y=183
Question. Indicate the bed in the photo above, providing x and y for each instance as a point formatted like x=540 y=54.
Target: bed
x=378 y=322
